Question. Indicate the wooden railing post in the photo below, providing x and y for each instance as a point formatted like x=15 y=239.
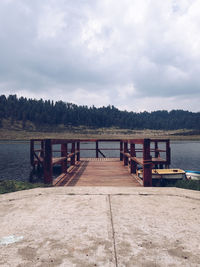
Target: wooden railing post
x=42 y=149
x=64 y=154
x=133 y=154
x=97 y=149
x=147 y=161
x=48 y=162
x=121 y=150
x=156 y=149
x=78 y=149
x=73 y=151
x=168 y=153
x=32 y=152
x=125 y=151
x=156 y=152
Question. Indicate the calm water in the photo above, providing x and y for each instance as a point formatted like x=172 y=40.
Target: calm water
x=15 y=162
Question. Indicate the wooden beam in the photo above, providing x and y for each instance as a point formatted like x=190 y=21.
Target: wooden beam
x=168 y=152
x=48 y=162
x=32 y=153
x=125 y=151
x=156 y=149
x=64 y=154
x=121 y=149
x=133 y=166
x=73 y=158
x=159 y=140
x=147 y=168
x=97 y=149
x=156 y=152
x=101 y=153
x=42 y=148
x=78 y=150
x=135 y=141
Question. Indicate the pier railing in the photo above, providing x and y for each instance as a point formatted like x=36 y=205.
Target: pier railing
x=129 y=151
x=132 y=152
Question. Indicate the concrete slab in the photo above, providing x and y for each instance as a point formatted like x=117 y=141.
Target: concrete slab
x=57 y=230
x=100 y=226
x=156 y=230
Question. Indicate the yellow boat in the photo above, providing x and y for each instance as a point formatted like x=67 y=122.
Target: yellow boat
x=175 y=174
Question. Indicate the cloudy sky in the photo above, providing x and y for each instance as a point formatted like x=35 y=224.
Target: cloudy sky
x=133 y=54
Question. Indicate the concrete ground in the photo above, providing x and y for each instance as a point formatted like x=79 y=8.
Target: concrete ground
x=100 y=226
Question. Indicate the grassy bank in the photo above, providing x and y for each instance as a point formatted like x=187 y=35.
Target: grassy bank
x=8 y=186
x=12 y=186
x=15 y=130
x=185 y=184
x=188 y=184
x=84 y=132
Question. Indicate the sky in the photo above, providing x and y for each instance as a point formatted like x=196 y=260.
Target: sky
x=134 y=54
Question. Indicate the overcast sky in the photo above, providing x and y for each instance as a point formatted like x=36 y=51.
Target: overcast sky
x=133 y=54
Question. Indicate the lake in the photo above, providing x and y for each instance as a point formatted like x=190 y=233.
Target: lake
x=15 y=159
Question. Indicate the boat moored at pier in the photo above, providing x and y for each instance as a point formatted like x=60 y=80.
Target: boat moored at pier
x=171 y=174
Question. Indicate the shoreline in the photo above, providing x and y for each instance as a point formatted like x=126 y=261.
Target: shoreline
x=108 y=133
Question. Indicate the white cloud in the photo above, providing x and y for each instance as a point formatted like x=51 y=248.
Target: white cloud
x=125 y=92
x=133 y=54
x=51 y=23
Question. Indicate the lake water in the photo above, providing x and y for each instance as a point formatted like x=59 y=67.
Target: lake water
x=15 y=159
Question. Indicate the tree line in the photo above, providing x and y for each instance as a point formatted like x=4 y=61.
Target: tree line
x=52 y=113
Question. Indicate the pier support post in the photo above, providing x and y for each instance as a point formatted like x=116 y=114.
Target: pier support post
x=78 y=151
x=42 y=149
x=73 y=151
x=64 y=154
x=133 y=154
x=168 y=153
x=32 y=153
x=156 y=152
x=147 y=164
x=48 y=162
x=97 y=149
x=125 y=151
x=121 y=151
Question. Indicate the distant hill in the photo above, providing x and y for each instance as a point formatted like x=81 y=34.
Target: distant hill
x=37 y=113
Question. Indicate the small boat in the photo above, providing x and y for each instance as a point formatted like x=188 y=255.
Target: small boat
x=193 y=175
x=171 y=174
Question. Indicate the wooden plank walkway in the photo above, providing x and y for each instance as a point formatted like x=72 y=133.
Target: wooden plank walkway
x=98 y=172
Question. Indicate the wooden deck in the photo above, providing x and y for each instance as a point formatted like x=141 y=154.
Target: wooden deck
x=98 y=172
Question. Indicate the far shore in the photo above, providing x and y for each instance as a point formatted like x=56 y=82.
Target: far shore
x=101 y=133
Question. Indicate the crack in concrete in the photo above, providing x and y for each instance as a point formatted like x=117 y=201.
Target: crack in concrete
x=113 y=231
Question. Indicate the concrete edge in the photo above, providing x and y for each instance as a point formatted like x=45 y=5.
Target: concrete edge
x=82 y=190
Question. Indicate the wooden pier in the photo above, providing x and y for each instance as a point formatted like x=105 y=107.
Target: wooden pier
x=104 y=172
x=99 y=170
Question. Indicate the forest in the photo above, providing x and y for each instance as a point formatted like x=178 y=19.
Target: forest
x=47 y=112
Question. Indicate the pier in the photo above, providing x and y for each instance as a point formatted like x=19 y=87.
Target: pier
x=101 y=169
